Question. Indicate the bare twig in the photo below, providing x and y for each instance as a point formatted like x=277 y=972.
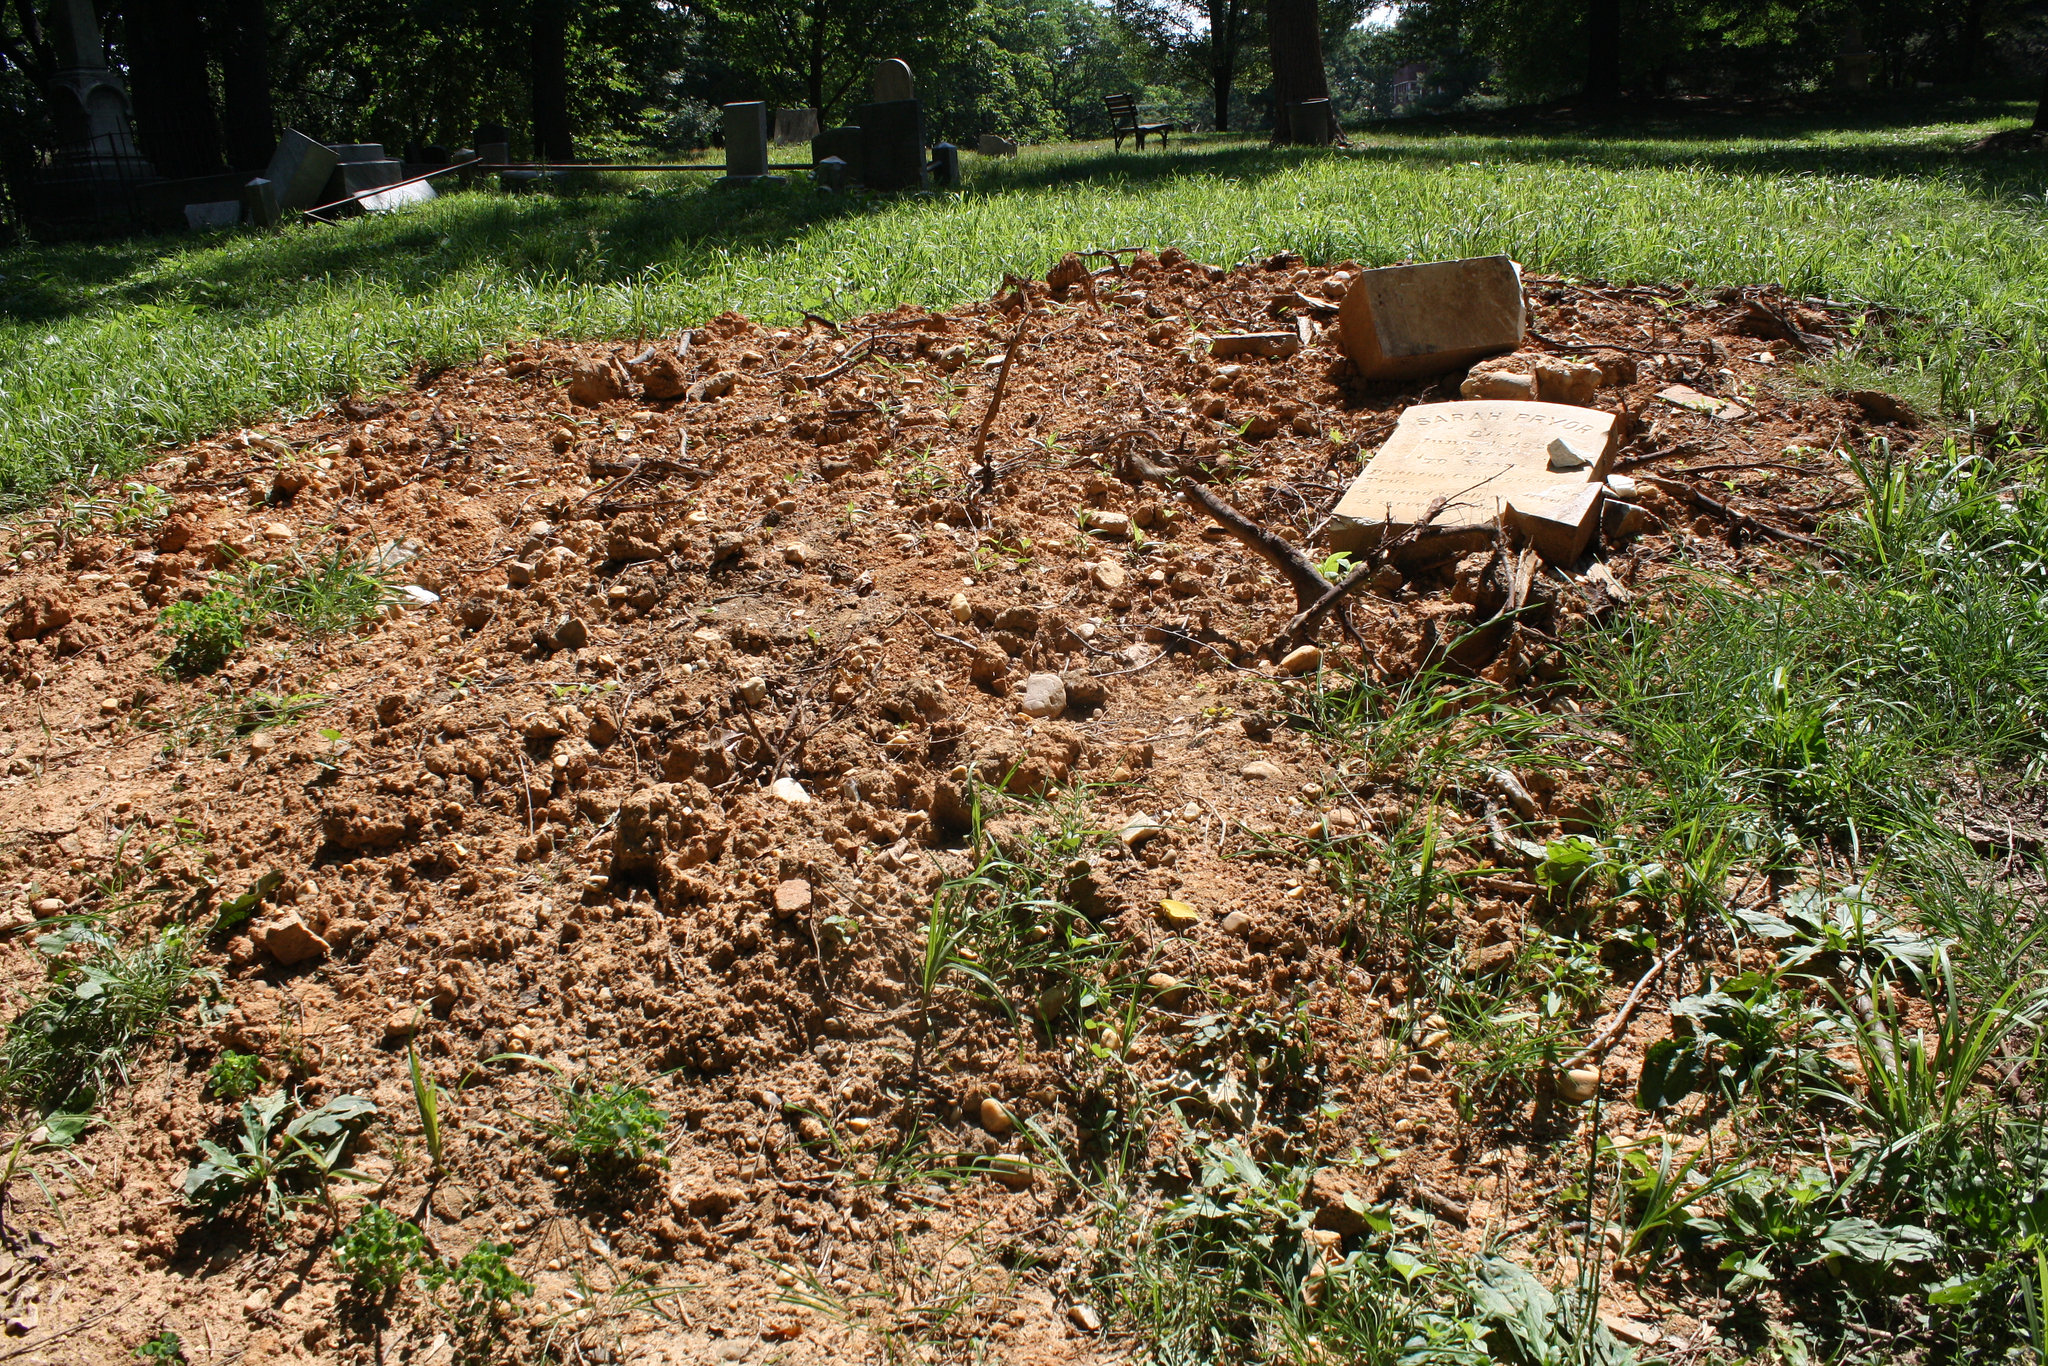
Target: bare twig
x=1308 y=581
x=49 y=1338
x=1305 y=624
x=1605 y=1039
x=995 y=401
x=1689 y=494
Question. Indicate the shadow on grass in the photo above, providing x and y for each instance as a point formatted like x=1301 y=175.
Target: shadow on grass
x=605 y=235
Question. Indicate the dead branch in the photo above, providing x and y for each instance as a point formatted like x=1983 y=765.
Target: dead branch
x=1306 y=623
x=995 y=401
x=1308 y=581
x=1605 y=1039
x=1701 y=501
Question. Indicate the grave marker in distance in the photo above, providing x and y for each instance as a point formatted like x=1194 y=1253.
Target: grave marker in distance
x=893 y=80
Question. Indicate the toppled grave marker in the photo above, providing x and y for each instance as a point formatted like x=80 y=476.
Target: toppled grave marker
x=1403 y=322
x=1537 y=464
x=1720 y=409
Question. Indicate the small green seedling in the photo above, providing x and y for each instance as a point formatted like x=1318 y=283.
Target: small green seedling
x=234 y=1075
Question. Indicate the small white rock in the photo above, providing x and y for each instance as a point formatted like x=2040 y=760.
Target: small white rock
x=791 y=791
x=1304 y=660
x=961 y=608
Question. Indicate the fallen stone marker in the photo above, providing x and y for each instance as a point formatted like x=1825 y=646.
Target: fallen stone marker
x=398 y=197
x=996 y=145
x=1403 y=322
x=1720 y=409
x=1256 y=344
x=1486 y=458
x=300 y=169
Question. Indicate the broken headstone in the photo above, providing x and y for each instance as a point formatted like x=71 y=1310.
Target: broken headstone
x=1402 y=322
x=1539 y=465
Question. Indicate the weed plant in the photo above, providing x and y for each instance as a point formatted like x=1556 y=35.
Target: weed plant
x=324 y=595
x=102 y=1004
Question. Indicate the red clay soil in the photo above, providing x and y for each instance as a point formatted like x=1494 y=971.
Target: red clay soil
x=548 y=813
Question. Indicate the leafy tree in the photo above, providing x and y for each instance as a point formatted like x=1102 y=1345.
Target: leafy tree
x=820 y=54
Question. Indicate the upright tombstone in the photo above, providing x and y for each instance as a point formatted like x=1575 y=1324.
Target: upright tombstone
x=996 y=145
x=842 y=142
x=892 y=145
x=300 y=169
x=893 y=81
x=945 y=167
x=746 y=144
x=1537 y=466
x=795 y=125
x=493 y=144
x=90 y=107
x=1405 y=322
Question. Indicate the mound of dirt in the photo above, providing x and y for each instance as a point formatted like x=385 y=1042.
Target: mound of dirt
x=711 y=655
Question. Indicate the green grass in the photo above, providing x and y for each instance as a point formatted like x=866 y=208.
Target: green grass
x=106 y=349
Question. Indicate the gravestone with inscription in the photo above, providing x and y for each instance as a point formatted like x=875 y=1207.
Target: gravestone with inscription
x=1538 y=466
x=1404 y=322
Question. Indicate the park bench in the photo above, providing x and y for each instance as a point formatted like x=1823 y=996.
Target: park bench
x=1123 y=116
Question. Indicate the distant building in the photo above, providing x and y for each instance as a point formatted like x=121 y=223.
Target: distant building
x=1410 y=84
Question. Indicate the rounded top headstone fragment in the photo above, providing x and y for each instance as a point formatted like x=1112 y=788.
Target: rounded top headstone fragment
x=893 y=80
x=1405 y=322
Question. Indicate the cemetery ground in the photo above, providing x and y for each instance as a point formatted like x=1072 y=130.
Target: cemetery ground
x=707 y=835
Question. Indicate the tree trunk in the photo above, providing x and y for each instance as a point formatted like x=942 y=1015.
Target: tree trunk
x=1969 y=42
x=1294 y=37
x=1226 y=23
x=550 y=81
x=247 y=121
x=2041 y=109
x=168 y=83
x=1603 y=51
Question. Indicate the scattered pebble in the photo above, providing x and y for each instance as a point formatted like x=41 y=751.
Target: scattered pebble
x=994 y=1117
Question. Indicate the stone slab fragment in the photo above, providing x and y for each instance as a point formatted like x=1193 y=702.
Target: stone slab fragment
x=795 y=125
x=996 y=145
x=1403 y=322
x=353 y=177
x=300 y=168
x=1489 y=458
x=219 y=213
x=399 y=197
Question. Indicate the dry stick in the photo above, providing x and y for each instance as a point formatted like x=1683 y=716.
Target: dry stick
x=995 y=401
x=1748 y=523
x=855 y=354
x=1605 y=1039
x=47 y=1339
x=1304 y=626
x=1308 y=581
